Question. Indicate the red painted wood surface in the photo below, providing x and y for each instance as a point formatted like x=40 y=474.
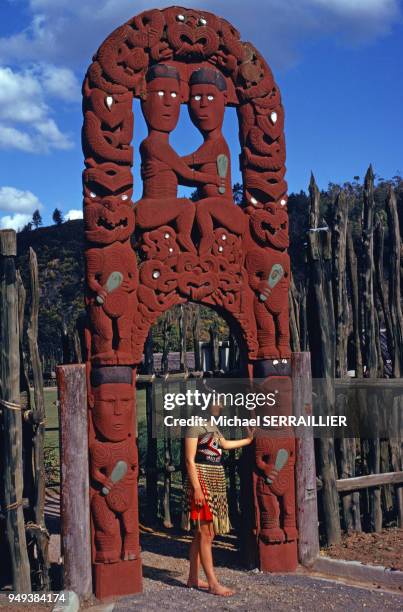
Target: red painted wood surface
x=74 y=510
x=231 y=258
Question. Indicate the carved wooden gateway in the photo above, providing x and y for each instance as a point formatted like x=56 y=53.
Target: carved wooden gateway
x=229 y=257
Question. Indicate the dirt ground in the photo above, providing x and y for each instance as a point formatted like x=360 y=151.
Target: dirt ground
x=384 y=548
x=165 y=569
x=165 y=566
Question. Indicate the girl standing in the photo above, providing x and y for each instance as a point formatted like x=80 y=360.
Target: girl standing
x=205 y=499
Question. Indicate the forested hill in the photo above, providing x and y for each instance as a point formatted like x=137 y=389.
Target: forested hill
x=60 y=252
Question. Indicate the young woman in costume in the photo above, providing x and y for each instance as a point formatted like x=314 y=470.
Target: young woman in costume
x=205 y=499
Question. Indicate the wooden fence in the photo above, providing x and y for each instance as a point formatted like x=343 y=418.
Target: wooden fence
x=338 y=312
x=22 y=484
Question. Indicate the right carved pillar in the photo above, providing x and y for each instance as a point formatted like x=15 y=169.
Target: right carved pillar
x=274 y=473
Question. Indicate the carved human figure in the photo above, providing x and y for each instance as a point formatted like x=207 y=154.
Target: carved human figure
x=159 y=204
x=275 y=461
x=112 y=278
x=206 y=108
x=269 y=272
x=113 y=471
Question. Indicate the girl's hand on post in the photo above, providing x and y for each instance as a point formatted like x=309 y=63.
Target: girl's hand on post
x=250 y=433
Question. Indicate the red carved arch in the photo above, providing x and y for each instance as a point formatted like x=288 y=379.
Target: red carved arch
x=243 y=274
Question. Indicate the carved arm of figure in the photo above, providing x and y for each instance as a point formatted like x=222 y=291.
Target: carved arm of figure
x=257 y=282
x=206 y=154
x=95 y=262
x=264 y=466
x=99 y=476
x=164 y=157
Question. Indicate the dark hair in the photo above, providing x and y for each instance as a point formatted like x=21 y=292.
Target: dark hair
x=208 y=76
x=164 y=71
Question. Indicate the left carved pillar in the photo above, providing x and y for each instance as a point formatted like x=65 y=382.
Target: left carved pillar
x=111 y=299
x=113 y=482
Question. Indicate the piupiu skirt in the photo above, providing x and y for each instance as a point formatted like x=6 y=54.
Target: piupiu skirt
x=213 y=485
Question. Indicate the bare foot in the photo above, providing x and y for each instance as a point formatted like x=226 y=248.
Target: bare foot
x=199 y=584
x=221 y=590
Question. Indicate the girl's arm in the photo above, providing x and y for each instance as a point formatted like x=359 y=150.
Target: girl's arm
x=190 y=454
x=231 y=444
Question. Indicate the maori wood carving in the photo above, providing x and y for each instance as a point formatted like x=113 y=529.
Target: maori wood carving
x=274 y=485
x=144 y=257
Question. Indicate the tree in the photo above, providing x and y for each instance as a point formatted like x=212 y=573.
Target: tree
x=27 y=227
x=237 y=192
x=57 y=216
x=36 y=219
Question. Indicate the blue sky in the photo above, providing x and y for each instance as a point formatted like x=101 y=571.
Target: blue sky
x=338 y=64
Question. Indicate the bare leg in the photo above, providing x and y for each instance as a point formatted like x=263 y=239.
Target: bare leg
x=206 y=557
x=225 y=213
x=194 y=558
x=152 y=213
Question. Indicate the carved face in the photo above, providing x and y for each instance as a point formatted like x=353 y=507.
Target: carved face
x=280 y=387
x=161 y=107
x=109 y=220
x=206 y=107
x=192 y=33
x=112 y=413
x=270 y=226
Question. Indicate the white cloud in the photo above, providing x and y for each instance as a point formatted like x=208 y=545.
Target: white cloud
x=21 y=204
x=11 y=138
x=73 y=214
x=18 y=201
x=20 y=97
x=68 y=32
x=52 y=135
x=15 y=222
x=22 y=102
x=59 y=82
x=365 y=7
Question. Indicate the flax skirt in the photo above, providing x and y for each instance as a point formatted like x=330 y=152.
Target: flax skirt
x=213 y=485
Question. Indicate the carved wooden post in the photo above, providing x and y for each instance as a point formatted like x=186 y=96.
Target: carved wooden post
x=152 y=453
x=370 y=333
x=355 y=302
x=275 y=454
x=347 y=446
x=183 y=328
x=11 y=446
x=306 y=498
x=214 y=347
x=75 y=510
x=397 y=327
x=394 y=284
x=322 y=342
x=196 y=337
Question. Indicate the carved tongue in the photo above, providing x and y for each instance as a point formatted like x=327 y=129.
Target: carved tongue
x=222 y=168
x=118 y=472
